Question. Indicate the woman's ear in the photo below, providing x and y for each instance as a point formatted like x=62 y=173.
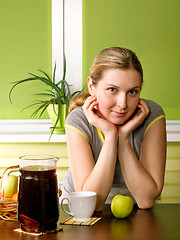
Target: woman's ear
x=91 y=87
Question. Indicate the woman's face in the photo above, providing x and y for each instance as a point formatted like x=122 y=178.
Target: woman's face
x=118 y=93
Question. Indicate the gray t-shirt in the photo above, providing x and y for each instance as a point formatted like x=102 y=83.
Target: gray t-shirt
x=77 y=120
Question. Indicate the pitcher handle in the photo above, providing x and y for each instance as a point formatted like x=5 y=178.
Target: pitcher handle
x=5 y=175
x=63 y=206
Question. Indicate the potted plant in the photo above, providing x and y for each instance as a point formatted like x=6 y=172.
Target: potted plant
x=58 y=97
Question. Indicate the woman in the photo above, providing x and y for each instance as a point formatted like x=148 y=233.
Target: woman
x=116 y=140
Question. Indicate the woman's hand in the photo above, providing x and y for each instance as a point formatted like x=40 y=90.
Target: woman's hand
x=95 y=118
x=136 y=119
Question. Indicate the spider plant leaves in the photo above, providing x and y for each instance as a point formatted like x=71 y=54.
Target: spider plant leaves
x=54 y=74
x=47 y=81
x=45 y=74
x=43 y=106
x=58 y=117
x=17 y=83
x=57 y=93
x=64 y=73
x=75 y=93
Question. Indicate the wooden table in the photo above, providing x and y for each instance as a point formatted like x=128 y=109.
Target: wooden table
x=161 y=222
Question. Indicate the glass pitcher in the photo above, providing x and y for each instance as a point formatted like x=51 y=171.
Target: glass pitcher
x=38 y=201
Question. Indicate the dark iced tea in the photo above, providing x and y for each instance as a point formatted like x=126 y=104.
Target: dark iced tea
x=38 y=203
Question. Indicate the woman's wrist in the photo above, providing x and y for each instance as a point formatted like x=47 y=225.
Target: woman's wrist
x=123 y=140
x=111 y=135
x=123 y=136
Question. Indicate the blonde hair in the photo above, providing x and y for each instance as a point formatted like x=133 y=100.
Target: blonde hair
x=109 y=58
x=78 y=100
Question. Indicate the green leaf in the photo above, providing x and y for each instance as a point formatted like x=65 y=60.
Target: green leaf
x=59 y=93
x=45 y=74
x=64 y=73
x=54 y=74
x=17 y=83
x=58 y=117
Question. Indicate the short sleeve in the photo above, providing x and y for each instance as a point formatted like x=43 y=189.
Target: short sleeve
x=77 y=120
x=155 y=114
x=136 y=137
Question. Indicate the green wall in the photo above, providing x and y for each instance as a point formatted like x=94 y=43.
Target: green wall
x=151 y=29
x=25 y=46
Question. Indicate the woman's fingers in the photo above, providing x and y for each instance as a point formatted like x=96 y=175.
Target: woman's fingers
x=88 y=102
x=136 y=119
x=143 y=107
x=90 y=110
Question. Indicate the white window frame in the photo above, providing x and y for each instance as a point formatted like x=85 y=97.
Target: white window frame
x=67 y=39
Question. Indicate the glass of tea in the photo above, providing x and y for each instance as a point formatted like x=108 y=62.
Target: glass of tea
x=38 y=201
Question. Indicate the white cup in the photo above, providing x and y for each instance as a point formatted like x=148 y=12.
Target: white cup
x=81 y=205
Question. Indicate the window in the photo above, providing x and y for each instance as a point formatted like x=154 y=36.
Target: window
x=67 y=39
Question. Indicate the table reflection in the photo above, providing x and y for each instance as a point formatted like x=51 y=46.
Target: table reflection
x=159 y=223
x=142 y=224
x=145 y=224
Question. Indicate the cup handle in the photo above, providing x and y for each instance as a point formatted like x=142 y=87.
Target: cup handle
x=63 y=206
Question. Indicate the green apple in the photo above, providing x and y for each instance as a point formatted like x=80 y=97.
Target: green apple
x=11 y=186
x=122 y=206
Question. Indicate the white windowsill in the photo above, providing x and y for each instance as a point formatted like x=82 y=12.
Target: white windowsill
x=38 y=131
x=28 y=131
x=173 y=130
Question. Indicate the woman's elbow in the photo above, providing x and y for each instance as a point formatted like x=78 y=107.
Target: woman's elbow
x=147 y=201
x=146 y=204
